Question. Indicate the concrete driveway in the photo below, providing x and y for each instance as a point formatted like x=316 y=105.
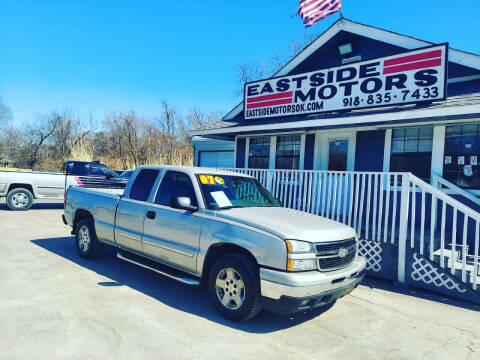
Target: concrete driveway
x=55 y=305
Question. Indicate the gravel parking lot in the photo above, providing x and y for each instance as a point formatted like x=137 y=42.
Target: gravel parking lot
x=55 y=305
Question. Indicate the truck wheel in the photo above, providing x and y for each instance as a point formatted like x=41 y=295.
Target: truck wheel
x=86 y=241
x=234 y=287
x=19 y=199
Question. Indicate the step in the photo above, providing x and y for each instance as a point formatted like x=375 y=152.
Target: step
x=471 y=281
x=162 y=269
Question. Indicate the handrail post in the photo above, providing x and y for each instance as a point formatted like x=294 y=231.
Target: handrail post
x=269 y=180
x=403 y=224
x=435 y=183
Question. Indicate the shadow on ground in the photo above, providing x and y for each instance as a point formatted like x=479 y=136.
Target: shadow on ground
x=417 y=292
x=191 y=299
x=38 y=206
x=195 y=300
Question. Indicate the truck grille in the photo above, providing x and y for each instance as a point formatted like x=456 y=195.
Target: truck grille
x=336 y=255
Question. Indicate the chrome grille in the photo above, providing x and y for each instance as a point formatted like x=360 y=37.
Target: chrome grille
x=336 y=255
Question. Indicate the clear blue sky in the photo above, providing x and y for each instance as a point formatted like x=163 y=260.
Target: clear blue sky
x=97 y=56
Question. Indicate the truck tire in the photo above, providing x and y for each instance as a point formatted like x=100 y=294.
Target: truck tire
x=19 y=199
x=234 y=287
x=86 y=241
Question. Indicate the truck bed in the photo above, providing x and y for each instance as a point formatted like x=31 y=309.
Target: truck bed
x=101 y=203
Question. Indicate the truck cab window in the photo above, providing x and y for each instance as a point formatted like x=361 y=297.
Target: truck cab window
x=175 y=184
x=78 y=168
x=96 y=170
x=143 y=184
x=101 y=170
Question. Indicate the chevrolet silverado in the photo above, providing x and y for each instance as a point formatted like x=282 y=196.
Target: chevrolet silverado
x=222 y=229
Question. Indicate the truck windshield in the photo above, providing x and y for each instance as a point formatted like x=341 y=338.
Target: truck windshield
x=223 y=192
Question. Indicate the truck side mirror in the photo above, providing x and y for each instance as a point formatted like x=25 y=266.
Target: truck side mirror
x=183 y=202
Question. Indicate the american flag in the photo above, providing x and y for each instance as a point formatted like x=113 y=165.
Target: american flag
x=312 y=11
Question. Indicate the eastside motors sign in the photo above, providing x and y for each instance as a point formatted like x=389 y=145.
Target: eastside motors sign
x=411 y=77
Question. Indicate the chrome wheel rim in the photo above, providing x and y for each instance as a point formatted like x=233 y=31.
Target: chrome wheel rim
x=84 y=239
x=19 y=200
x=230 y=288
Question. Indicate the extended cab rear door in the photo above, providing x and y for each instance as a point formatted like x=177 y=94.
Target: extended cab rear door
x=131 y=210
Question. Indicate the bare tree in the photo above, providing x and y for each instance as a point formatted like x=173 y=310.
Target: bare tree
x=252 y=71
x=124 y=129
x=68 y=133
x=5 y=115
x=297 y=45
x=201 y=119
x=125 y=140
x=34 y=136
x=169 y=121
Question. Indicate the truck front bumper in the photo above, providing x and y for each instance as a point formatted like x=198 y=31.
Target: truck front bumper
x=289 y=292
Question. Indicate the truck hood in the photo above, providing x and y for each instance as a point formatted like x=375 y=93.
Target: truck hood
x=289 y=223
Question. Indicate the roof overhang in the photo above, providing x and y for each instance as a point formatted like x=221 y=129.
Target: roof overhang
x=426 y=114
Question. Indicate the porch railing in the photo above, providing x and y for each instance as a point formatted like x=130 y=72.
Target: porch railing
x=441 y=183
x=388 y=208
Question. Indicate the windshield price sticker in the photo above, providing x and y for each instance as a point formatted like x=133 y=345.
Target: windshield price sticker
x=211 y=180
x=221 y=199
x=410 y=77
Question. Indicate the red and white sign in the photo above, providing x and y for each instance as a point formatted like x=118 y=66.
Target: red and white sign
x=412 y=77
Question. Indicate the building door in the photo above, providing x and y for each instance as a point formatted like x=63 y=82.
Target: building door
x=337 y=154
x=335 y=150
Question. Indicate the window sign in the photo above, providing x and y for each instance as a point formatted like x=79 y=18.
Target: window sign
x=467 y=170
x=220 y=198
x=462 y=144
x=411 y=77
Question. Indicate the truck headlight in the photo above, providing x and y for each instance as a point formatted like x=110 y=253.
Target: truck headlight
x=301 y=264
x=301 y=256
x=299 y=247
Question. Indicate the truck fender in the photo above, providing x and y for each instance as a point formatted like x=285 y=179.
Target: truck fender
x=23 y=184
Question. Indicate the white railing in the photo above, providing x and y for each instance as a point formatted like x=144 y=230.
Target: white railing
x=459 y=226
x=386 y=207
x=439 y=182
x=353 y=198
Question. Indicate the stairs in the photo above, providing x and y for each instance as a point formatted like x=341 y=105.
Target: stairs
x=454 y=257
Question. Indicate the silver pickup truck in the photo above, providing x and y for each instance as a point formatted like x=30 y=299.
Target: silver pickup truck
x=21 y=188
x=225 y=230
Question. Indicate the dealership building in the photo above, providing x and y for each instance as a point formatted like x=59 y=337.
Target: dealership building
x=358 y=98
x=379 y=131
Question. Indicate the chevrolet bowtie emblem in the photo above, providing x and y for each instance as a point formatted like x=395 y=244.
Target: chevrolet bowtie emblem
x=342 y=252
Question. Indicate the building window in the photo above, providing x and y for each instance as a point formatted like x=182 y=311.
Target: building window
x=412 y=151
x=287 y=155
x=461 y=156
x=259 y=152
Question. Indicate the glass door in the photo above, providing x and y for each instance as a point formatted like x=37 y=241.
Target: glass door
x=337 y=154
x=337 y=161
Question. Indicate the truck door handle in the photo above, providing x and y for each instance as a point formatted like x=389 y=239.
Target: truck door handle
x=151 y=214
